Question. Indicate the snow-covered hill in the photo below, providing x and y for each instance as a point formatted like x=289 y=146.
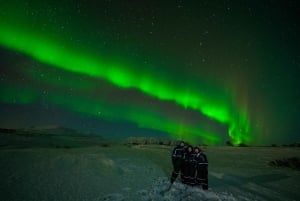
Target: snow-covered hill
x=51 y=130
x=48 y=136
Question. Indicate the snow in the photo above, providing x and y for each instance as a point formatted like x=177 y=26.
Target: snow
x=120 y=172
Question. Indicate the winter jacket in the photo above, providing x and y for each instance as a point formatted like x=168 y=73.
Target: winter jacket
x=189 y=168
x=178 y=153
x=201 y=160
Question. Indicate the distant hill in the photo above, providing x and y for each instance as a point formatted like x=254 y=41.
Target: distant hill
x=7 y=130
x=51 y=130
x=47 y=130
x=48 y=136
x=150 y=140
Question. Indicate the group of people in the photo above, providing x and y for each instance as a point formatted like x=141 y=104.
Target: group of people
x=192 y=165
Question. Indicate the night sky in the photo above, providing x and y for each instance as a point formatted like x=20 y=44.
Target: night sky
x=203 y=71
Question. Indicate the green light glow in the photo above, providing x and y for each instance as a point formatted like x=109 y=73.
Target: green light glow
x=70 y=59
x=143 y=117
x=24 y=95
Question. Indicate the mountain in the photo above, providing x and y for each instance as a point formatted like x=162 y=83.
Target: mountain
x=51 y=136
x=52 y=130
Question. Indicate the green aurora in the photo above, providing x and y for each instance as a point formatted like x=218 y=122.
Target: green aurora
x=125 y=77
x=199 y=71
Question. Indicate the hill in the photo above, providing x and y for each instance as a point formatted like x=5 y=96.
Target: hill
x=48 y=136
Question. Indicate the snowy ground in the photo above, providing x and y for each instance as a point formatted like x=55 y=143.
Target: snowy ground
x=142 y=173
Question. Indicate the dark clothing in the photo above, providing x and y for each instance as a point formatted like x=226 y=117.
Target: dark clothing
x=178 y=152
x=177 y=160
x=189 y=169
x=202 y=170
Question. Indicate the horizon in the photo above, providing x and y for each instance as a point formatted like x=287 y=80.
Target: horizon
x=167 y=137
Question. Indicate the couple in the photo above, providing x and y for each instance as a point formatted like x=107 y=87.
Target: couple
x=192 y=165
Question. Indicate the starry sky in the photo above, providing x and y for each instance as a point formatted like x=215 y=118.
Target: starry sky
x=205 y=71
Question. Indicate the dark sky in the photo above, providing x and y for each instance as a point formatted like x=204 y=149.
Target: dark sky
x=204 y=71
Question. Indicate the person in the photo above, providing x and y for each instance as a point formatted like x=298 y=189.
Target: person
x=201 y=168
x=189 y=169
x=177 y=160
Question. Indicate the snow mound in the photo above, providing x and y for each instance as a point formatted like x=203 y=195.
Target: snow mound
x=162 y=191
x=112 y=197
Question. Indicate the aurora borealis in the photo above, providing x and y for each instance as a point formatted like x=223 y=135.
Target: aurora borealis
x=206 y=71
